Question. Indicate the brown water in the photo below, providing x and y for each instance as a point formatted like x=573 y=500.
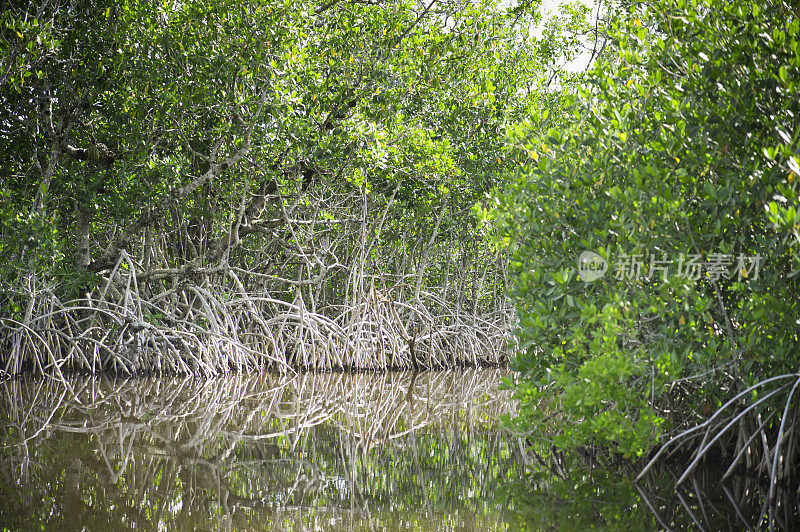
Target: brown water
x=396 y=451
x=393 y=451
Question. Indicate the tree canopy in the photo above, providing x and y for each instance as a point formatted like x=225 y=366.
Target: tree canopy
x=205 y=186
x=311 y=155
x=654 y=233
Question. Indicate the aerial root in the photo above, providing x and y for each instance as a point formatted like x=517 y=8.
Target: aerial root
x=756 y=430
x=205 y=330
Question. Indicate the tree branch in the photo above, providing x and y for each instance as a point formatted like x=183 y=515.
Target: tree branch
x=152 y=214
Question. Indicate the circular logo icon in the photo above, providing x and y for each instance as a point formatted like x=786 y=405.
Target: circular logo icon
x=591 y=266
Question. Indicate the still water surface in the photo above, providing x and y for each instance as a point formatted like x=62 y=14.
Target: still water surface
x=313 y=451
x=390 y=451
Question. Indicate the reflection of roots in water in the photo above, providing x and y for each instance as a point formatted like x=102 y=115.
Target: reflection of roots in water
x=374 y=408
x=578 y=491
x=219 y=426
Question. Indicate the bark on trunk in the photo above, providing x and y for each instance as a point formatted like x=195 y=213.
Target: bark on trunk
x=82 y=236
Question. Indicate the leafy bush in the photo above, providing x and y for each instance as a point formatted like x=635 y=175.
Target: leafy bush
x=681 y=148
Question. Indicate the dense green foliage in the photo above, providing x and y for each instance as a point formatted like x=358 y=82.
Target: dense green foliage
x=682 y=148
x=307 y=154
x=278 y=183
x=123 y=118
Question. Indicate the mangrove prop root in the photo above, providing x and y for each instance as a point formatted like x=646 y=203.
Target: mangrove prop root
x=209 y=327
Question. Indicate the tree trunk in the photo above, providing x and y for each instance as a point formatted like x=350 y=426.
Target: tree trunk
x=82 y=236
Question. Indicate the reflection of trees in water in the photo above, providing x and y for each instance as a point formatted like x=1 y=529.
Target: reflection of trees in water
x=255 y=451
x=273 y=452
x=573 y=491
x=704 y=501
